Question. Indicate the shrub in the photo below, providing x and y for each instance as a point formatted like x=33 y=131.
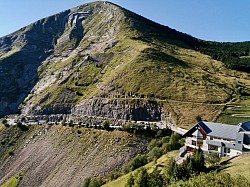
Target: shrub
x=86 y=182
x=95 y=182
x=212 y=159
x=142 y=178
x=156 y=152
x=155 y=179
x=11 y=153
x=153 y=143
x=115 y=175
x=6 y=125
x=138 y=161
x=105 y=125
x=4 y=121
x=130 y=181
x=22 y=127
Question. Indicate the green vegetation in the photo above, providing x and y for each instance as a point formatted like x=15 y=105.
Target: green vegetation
x=159 y=163
x=239 y=166
x=212 y=159
x=234 y=55
x=79 y=143
x=170 y=174
x=236 y=112
x=14 y=181
x=5 y=123
x=188 y=173
x=213 y=180
x=158 y=151
x=95 y=182
x=10 y=139
x=105 y=125
x=156 y=148
x=143 y=179
x=193 y=165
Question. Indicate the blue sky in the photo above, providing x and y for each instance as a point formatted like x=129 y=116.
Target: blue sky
x=216 y=20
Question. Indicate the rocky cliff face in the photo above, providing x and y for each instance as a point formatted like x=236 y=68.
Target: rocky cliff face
x=21 y=54
x=117 y=109
x=27 y=53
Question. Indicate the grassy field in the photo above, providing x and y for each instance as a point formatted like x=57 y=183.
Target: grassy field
x=161 y=162
x=239 y=166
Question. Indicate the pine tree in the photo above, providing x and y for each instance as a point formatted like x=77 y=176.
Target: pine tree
x=142 y=178
x=155 y=179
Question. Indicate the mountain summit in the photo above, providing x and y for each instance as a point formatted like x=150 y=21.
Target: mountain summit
x=99 y=59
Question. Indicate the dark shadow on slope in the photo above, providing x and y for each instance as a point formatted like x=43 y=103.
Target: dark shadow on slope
x=152 y=32
x=159 y=56
x=19 y=72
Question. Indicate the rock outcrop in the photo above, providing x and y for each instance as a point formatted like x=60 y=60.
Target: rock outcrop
x=135 y=110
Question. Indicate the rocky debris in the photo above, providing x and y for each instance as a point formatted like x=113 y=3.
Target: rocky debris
x=61 y=158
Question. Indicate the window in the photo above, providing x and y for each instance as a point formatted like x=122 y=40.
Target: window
x=193 y=142
x=213 y=147
x=239 y=142
x=226 y=150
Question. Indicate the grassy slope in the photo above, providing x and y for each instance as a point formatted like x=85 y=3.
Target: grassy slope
x=236 y=112
x=239 y=166
x=161 y=162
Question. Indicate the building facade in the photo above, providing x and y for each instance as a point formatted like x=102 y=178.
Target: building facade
x=223 y=139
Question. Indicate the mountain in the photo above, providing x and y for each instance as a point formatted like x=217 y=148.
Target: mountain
x=99 y=59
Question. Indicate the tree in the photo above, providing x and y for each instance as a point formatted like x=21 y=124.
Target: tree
x=198 y=118
x=5 y=123
x=105 y=125
x=212 y=159
x=152 y=144
x=114 y=175
x=156 y=152
x=199 y=160
x=170 y=167
x=155 y=179
x=95 y=182
x=86 y=182
x=138 y=161
x=63 y=122
x=142 y=178
x=130 y=181
x=71 y=123
x=174 y=141
x=22 y=127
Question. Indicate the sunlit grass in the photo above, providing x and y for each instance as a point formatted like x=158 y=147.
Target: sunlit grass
x=14 y=181
x=162 y=161
x=239 y=166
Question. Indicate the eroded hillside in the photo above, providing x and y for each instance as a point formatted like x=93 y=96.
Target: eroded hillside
x=64 y=156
